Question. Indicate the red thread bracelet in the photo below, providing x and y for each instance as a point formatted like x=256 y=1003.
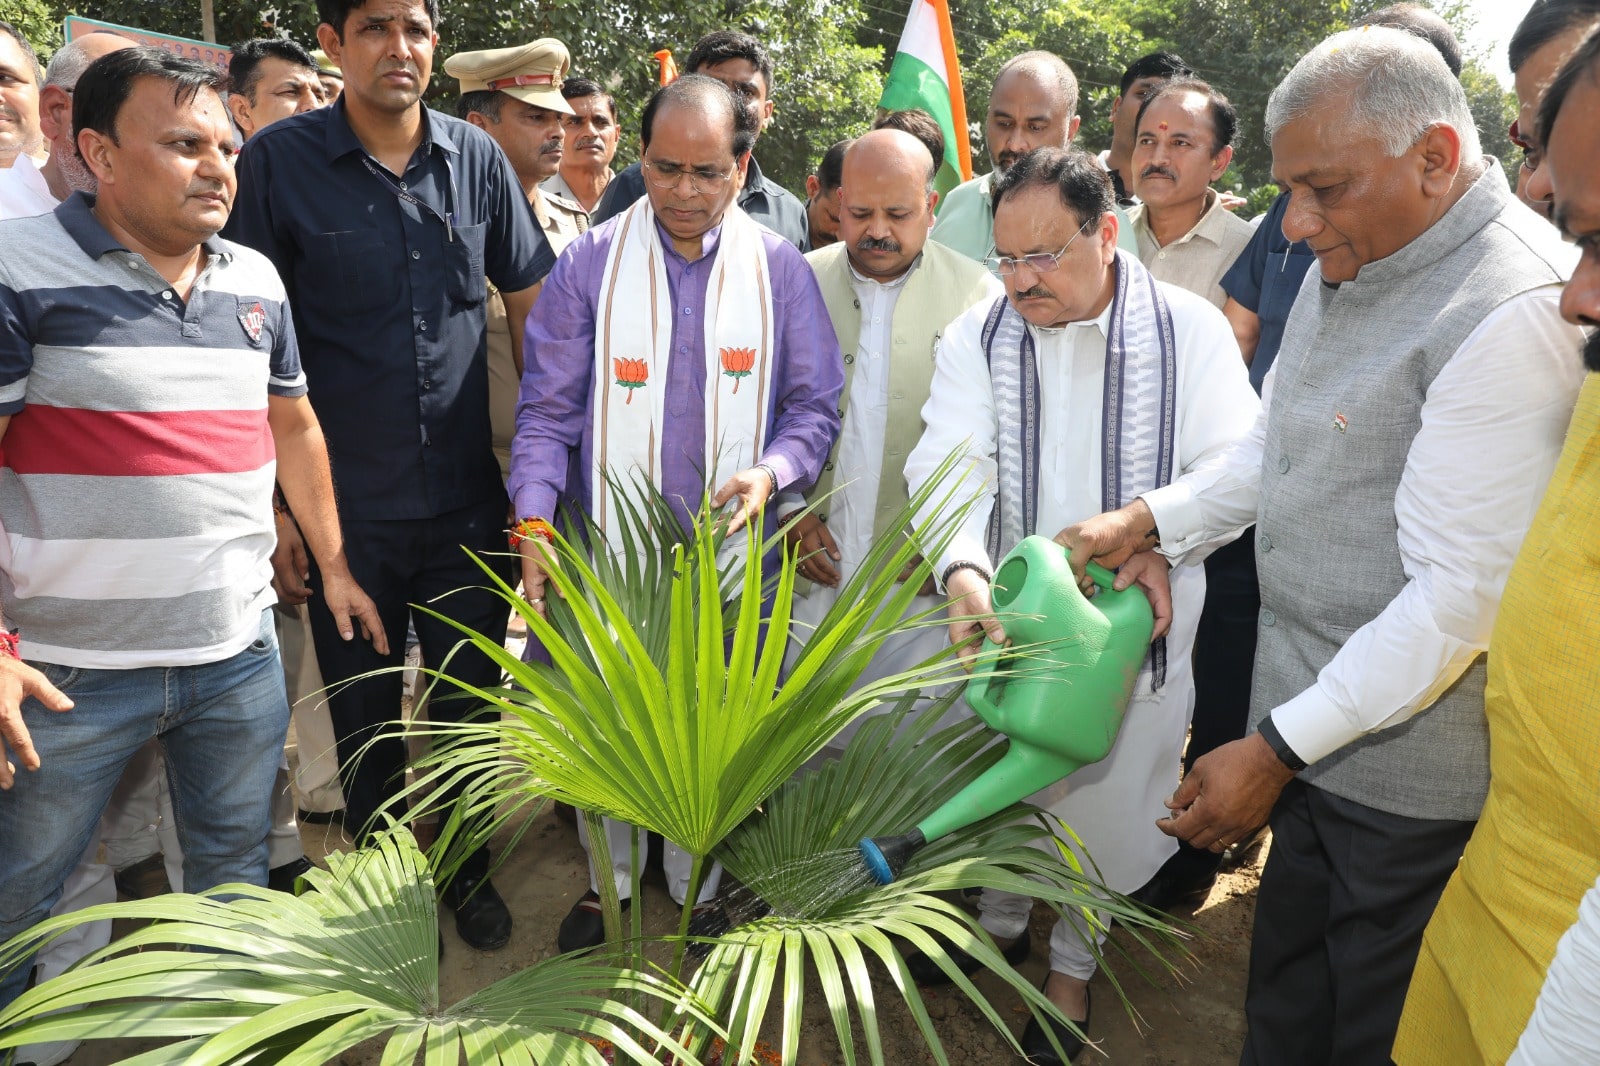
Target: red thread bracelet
x=10 y=645
x=530 y=528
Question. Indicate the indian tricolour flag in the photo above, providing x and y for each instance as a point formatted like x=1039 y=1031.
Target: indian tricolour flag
x=926 y=74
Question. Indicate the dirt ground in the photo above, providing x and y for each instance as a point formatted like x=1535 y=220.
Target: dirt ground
x=1191 y=1018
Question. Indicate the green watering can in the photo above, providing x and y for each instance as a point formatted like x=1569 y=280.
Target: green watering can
x=1057 y=691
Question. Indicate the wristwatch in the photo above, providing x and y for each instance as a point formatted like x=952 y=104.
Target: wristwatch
x=1279 y=746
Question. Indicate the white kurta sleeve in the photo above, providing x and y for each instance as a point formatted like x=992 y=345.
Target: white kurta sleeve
x=960 y=418
x=1565 y=1026
x=1492 y=429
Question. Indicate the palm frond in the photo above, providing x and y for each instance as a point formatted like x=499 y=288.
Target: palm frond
x=824 y=916
x=677 y=723
x=242 y=974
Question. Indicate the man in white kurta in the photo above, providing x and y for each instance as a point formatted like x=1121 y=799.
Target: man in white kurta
x=1083 y=307
x=889 y=291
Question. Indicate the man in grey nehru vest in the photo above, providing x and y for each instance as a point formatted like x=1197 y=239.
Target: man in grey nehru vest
x=1413 y=417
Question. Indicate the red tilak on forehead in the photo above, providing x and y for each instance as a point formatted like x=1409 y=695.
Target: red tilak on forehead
x=1162 y=126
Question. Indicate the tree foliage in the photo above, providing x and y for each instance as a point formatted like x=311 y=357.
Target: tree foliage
x=37 y=23
x=832 y=55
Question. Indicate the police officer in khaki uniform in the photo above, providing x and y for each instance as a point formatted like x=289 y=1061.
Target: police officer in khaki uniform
x=329 y=75
x=514 y=95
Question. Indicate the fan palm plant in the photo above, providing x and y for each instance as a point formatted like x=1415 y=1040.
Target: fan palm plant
x=663 y=707
x=244 y=974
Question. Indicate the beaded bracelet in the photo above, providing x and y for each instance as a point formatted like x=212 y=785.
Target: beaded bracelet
x=950 y=571
x=530 y=528
x=771 y=473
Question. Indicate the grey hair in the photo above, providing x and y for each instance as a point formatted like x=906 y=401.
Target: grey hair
x=1390 y=83
x=69 y=63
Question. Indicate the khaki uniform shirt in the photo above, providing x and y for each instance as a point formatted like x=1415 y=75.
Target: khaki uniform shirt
x=1197 y=260
x=562 y=221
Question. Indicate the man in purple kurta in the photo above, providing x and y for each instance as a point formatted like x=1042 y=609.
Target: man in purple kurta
x=683 y=294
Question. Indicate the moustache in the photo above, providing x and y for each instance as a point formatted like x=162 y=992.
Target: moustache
x=10 y=114
x=1591 y=347
x=1153 y=171
x=589 y=142
x=1037 y=290
x=877 y=244
x=209 y=188
x=550 y=147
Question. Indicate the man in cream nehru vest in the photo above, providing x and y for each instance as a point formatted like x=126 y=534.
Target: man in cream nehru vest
x=647 y=327
x=1413 y=417
x=1087 y=383
x=889 y=291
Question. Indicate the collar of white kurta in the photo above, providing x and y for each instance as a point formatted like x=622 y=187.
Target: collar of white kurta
x=1138 y=405
x=633 y=345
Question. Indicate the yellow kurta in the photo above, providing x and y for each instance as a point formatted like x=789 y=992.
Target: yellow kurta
x=1536 y=849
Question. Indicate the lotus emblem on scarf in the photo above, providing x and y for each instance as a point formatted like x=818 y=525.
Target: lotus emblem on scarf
x=736 y=363
x=631 y=373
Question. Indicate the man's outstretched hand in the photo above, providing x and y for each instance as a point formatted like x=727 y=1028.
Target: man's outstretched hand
x=752 y=487
x=18 y=681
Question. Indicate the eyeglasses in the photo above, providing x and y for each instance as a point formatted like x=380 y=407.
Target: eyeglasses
x=1531 y=155
x=1038 y=262
x=701 y=179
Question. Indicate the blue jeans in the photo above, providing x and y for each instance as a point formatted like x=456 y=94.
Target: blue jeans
x=221 y=726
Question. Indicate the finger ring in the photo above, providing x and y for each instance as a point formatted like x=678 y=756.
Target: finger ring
x=537 y=599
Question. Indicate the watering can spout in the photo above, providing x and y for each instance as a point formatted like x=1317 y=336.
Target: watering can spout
x=887 y=856
x=1058 y=690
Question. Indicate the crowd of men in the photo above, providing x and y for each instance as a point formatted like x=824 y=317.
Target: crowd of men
x=277 y=343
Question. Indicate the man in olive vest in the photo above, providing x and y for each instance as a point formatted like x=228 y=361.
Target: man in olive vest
x=889 y=291
x=1412 y=419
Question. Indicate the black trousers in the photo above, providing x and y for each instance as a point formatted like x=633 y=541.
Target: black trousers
x=400 y=563
x=1344 y=898
x=1225 y=648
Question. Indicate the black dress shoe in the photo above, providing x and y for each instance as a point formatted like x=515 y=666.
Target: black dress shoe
x=1183 y=882
x=482 y=920
x=926 y=972
x=585 y=924
x=1036 y=1045
x=283 y=878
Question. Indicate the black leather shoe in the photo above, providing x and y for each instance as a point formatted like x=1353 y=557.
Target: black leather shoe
x=1183 y=882
x=283 y=878
x=482 y=920
x=1036 y=1045
x=585 y=925
x=926 y=972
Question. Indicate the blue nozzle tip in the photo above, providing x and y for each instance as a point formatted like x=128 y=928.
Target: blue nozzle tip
x=877 y=865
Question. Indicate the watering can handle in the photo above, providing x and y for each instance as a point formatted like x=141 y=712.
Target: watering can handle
x=986 y=667
x=1099 y=575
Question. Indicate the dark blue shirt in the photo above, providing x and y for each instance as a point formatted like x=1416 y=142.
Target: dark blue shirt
x=762 y=199
x=1265 y=279
x=388 y=298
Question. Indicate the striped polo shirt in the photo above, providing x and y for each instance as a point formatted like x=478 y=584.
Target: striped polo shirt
x=136 y=482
